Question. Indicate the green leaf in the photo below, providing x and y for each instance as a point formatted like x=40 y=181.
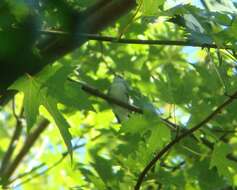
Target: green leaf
x=225 y=167
x=129 y=145
x=66 y=92
x=222 y=6
x=51 y=105
x=202 y=173
x=32 y=99
x=19 y=9
x=98 y=183
x=136 y=124
x=104 y=168
x=174 y=87
x=160 y=134
x=73 y=96
x=171 y=180
x=91 y=177
x=36 y=94
x=150 y=7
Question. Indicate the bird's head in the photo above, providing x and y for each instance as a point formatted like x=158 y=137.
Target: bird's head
x=118 y=78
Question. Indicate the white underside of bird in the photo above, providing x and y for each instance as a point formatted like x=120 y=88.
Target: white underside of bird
x=119 y=90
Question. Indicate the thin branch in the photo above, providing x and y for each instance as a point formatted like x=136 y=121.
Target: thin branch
x=93 y=91
x=172 y=168
x=227 y=188
x=6 y=96
x=91 y=22
x=205 y=5
x=15 y=137
x=178 y=166
x=107 y=13
x=124 y=29
x=24 y=150
x=89 y=89
x=34 y=169
x=224 y=131
x=14 y=109
x=179 y=138
x=95 y=18
x=64 y=155
x=210 y=145
x=110 y=69
x=134 y=41
x=41 y=173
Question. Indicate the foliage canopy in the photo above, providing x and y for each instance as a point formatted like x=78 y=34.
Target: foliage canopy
x=179 y=60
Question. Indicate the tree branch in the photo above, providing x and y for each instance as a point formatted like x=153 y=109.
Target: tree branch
x=93 y=91
x=180 y=137
x=31 y=139
x=133 y=41
x=229 y=131
x=205 y=5
x=89 y=89
x=7 y=156
x=172 y=168
x=64 y=155
x=92 y=20
x=96 y=18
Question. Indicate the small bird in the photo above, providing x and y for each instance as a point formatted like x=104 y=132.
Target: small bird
x=119 y=90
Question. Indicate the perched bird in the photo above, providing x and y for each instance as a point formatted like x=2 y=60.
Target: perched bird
x=119 y=90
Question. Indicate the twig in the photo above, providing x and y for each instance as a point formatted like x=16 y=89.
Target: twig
x=14 y=109
x=172 y=168
x=6 y=96
x=179 y=138
x=110 y=69
x=224 y=130
x=124 y=29
x=18 y=128
x=135 y=41
x=178 y=166
x=26 y=147
x=205 y=5
x=89 y=89
x=172 y=126
x=28 y=173
x=40 y=173
x=210 y=145
x=95 y=19
x=64 y=155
